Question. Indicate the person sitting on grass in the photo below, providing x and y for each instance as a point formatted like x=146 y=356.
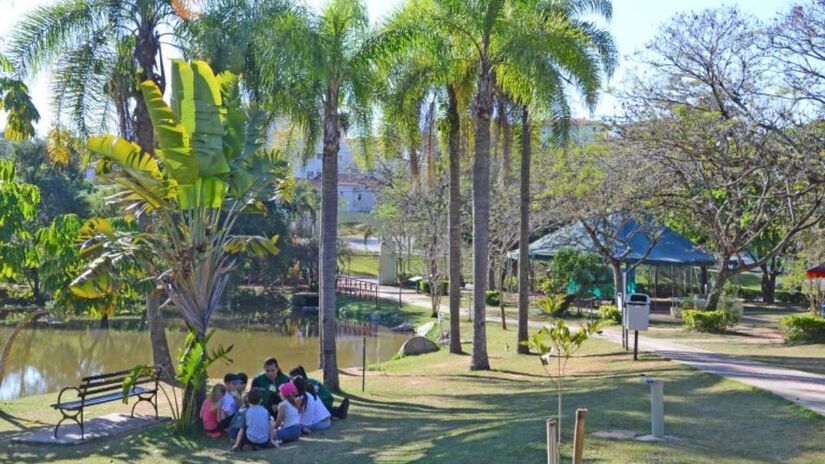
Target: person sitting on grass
x=321 y=391
x=211 y=409
x=268 y=382
x=287 y=426
x=314 y=415
x=230 y=402
x=254 y=428
x=238 y=419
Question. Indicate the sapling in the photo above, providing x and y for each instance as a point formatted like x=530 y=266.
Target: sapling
x=556 y=340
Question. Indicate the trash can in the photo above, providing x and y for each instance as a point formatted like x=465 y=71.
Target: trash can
x=638 y=311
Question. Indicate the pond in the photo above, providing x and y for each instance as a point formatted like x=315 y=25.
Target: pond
x=46 y=359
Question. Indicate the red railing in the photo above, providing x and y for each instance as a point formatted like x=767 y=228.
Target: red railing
x=345 y=285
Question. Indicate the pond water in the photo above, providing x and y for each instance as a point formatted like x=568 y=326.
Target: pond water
x=47 y=359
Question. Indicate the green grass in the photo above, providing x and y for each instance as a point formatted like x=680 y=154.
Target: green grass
x=362 y=265
x=360 y=310
x=433 y=409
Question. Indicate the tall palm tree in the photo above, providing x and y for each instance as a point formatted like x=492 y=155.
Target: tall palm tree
x=96 y=49
x=560 y=48
x=319 y=70
x=435 y=63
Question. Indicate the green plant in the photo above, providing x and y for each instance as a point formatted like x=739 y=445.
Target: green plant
x=425 y=287
x=803 y=328
x=686 y=304
x=708 y=321
x=557 y=341
x=610 y=313
x=552 y=304
x=193 y=361
x=492 y=298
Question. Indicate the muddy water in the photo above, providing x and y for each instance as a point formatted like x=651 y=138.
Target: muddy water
x=48 y=359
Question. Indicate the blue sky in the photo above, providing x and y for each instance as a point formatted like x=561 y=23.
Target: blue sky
x=634 y=23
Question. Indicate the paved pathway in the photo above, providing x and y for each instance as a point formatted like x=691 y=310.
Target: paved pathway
x=803 y=388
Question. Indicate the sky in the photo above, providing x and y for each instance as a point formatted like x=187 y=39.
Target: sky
x=634 y=23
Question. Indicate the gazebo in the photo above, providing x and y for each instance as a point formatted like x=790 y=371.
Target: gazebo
x=631 y=243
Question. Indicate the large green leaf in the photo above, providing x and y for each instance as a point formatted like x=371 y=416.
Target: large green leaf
x=126 y=154
x=175 y=149
x=183 y=99
x=207 y=136
x=207 y=192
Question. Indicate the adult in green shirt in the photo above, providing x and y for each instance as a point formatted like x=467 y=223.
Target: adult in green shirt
x=268 y=382
x=326 y=397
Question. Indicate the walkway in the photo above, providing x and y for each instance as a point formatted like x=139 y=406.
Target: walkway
x=802 y=388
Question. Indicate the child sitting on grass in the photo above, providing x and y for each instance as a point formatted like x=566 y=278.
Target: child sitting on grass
x=287 y=425
x=211 y=410
x=314 y=415
x=238 y=419
x=254 y=430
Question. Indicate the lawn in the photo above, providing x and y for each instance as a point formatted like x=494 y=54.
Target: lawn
x=433 y=409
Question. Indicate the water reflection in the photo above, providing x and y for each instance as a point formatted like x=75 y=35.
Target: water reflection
x=47 y=359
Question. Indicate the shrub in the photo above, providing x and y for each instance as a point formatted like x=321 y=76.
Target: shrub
x=707 y=321
x=492 y=298
x=804 y=328
x=424 y=286
x=686 y=304
x=610 y=313
x=791 y=297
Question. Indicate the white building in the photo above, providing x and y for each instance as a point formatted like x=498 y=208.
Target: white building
x=355 y=191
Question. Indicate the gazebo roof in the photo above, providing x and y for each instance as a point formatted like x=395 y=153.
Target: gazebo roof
x=816 y=271
x=671 y=248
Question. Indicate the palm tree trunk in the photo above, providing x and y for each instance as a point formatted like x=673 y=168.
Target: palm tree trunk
x=146 y=50
x=481 y=215
x=524 y=233
x=454 y=220
x=157 y=335
x=506 y=143
x=329 y=235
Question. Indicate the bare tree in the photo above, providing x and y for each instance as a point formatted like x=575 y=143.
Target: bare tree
x=733 y=152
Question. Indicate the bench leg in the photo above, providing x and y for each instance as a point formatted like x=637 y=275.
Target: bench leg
x=74 y=418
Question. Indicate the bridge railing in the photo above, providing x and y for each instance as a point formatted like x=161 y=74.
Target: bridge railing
x=358 y=288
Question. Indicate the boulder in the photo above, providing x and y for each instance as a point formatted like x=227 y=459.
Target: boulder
x=417 y=345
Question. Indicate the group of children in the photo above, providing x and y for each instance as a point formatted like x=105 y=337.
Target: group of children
x=277 y=409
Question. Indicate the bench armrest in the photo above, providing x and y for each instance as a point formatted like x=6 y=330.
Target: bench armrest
x=60 y=395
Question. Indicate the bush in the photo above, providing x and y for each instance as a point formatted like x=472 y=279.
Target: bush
x=707 y=321
x=791 y=297
x=424 y=287
x=492 y=298
x=804 y=328
x=750 y=294
x=610 y=313
x=686 y=304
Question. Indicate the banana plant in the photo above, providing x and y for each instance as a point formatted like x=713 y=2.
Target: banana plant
x=210 y=166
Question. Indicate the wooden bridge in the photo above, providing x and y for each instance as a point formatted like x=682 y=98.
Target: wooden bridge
x=345 y=285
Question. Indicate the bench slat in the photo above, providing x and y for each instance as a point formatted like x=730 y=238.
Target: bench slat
x=75 y=405
x=116 y=380
x=107 y=375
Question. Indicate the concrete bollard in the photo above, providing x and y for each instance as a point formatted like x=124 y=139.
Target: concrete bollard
x=657 y=407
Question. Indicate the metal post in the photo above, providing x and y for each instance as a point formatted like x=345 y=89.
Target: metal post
x=552 y=442
x=364 y=364
x=635 y=345
x=578 y=437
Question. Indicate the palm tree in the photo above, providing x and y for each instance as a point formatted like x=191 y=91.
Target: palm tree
x=95 y=48
x=314 y=68
x=560 y=48
x=210 y=168
x=434 y=64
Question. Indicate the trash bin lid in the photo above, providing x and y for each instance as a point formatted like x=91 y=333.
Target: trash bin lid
x=638 y=298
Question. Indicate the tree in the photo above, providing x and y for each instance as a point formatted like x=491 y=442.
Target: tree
x=736 y=157
x=314 y=68
x=98 y=51
x=16 y=102
x=437 y=65
x=211 y=169
x=553 y=45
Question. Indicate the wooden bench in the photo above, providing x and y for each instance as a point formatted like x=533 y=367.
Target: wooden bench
x=105 y=388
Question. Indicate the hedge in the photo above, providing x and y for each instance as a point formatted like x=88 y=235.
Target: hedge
x=424 y=287
x=804 y=328
x=707 y=321
x=492 y=298
x=610 y=313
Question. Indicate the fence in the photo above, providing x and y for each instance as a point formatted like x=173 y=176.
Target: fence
x=357 y=288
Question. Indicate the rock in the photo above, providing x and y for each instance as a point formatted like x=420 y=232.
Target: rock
x=417 y=345
x=424 y=329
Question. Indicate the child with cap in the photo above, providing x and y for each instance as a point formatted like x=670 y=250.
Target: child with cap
x=287 y=426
